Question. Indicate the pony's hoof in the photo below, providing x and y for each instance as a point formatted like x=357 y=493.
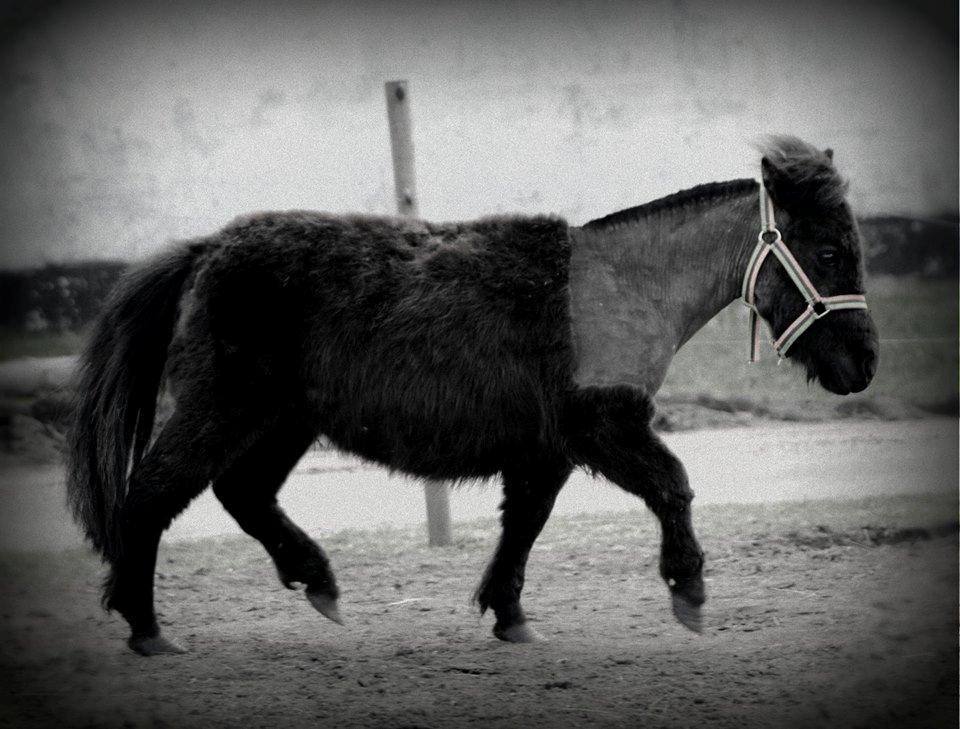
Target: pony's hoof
x=686 y=612
x=325 y=605
x=519 y=633
x=155 y=645
x=686 y=596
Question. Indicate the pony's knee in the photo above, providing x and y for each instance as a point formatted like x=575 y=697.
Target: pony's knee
x=674 y=482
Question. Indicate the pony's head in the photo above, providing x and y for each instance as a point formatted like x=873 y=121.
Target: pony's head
x=816 y=223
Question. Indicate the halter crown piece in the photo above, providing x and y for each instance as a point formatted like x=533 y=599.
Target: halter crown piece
x=817 y=306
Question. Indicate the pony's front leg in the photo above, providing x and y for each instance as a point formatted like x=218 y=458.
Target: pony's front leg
x=528 y=497
x=609 y=432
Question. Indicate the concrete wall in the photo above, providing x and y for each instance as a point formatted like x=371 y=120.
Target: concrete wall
x=127 y=125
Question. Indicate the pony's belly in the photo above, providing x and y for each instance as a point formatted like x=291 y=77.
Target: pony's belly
x=436 y=442
x=453 y=459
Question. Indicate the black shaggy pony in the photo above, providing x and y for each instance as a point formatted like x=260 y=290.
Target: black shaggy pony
x=512 y=346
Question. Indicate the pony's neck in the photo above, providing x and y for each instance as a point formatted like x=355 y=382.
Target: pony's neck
x=643 y=282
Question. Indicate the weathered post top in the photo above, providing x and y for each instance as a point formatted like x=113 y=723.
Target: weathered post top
x=401 y=145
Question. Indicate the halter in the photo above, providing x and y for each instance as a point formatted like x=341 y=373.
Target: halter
x=817 y=306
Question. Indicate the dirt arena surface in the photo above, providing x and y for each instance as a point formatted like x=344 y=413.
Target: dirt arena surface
x=820 y=614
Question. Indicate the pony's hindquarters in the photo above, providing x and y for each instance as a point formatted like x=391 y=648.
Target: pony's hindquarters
x=117 y=383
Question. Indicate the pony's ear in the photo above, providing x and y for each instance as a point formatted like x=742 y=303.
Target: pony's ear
x=770 y=176
x=766 y=171
x=798 y=177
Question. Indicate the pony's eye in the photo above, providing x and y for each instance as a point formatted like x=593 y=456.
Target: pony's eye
x=828 y=256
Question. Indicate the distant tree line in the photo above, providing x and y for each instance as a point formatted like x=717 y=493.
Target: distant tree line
x=58 y=297
x=897 y=245
x=63 y=297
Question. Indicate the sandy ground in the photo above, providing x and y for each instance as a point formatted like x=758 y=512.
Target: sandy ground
x=820 y=614
x=832 y=573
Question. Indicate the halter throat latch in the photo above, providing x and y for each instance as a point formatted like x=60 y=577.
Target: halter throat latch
x=770 y=241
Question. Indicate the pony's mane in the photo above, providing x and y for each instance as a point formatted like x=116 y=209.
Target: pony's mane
x=803 y=175
x=698 y=194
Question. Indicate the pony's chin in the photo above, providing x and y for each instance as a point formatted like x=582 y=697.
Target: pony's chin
x=839 y=379
x=836 y=387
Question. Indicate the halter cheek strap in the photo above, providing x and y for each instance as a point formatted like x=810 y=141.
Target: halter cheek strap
x=817 y=306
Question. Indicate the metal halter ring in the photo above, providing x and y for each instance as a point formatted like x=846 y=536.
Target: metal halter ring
x=770 y=236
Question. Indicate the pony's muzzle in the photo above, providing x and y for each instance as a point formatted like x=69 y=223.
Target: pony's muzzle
x=857 y=372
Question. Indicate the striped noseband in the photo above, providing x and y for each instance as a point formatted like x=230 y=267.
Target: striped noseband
x=818 y=306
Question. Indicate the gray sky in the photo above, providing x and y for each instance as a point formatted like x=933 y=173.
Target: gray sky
x=131 y=124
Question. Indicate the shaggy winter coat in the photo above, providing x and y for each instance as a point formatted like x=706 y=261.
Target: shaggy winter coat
x=438 y=350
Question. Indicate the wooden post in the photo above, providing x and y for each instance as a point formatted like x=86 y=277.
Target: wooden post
x=401 y=145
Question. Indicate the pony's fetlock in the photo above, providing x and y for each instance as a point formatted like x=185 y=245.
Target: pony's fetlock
x=690 y=588
x=510 y=619
x=308 y=567
x=682 y=570
x=679 y=563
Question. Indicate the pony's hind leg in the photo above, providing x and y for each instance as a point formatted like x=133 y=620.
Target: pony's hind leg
x=174 y=471
x=528 y=497
x=248 y=488
x=609 y=431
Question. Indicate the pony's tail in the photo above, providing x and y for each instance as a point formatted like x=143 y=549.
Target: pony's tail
x=117 y=383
